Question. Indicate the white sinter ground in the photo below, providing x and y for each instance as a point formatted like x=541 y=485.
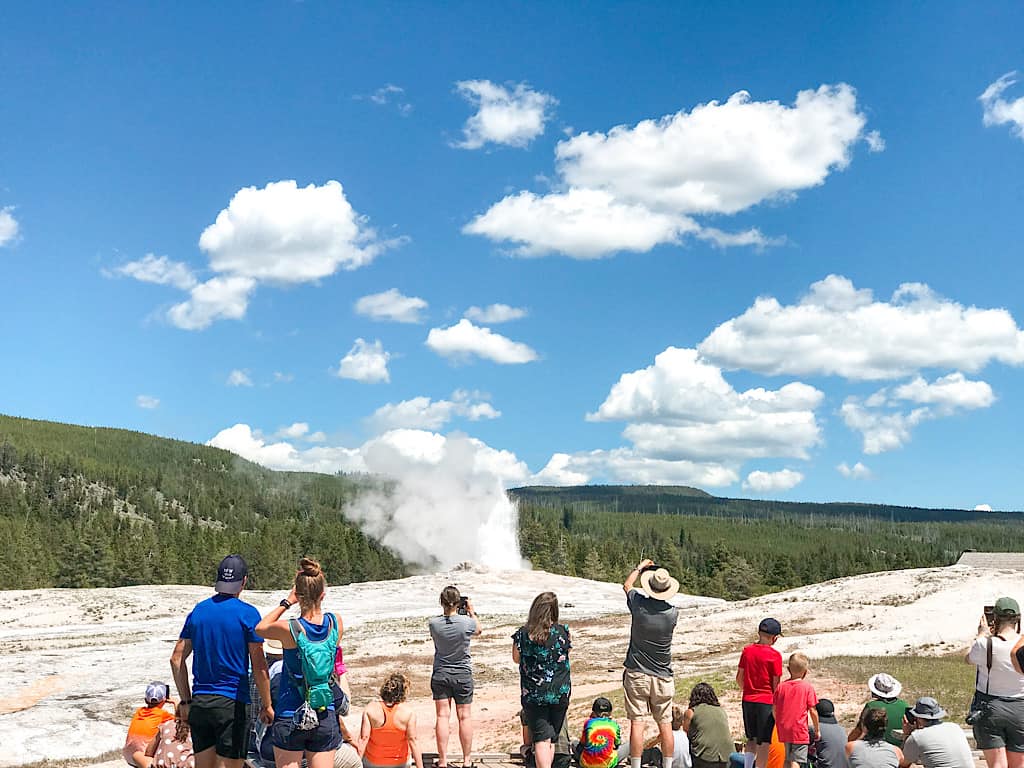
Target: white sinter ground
x=75 y=662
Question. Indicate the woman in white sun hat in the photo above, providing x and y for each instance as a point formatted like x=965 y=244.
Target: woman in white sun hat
x=885 y=694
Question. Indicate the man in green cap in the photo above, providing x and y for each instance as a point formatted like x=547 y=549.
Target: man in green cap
x=997 y=712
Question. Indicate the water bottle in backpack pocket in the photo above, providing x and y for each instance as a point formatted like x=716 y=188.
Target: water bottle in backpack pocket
x=317 y=659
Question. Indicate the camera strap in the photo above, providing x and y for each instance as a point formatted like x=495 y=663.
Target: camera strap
x=988 y=664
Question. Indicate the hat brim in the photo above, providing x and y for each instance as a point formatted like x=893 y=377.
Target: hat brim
x=934 y=716
x=228 y=587
x=893 y=694
x=667 y=594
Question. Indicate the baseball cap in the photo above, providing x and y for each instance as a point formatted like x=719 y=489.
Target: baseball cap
x=602 y=706
x=770 y=627
x=825 y=708
x=1007 y=606
x=156 y=693
x=230 y=574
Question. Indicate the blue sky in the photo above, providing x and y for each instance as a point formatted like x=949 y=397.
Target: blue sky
x=464 y=156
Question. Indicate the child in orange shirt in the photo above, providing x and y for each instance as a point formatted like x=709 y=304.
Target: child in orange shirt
x=145 y=723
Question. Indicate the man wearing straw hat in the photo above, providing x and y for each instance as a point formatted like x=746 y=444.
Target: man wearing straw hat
x=647 y=678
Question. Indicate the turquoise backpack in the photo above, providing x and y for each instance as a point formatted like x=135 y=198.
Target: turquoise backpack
x=317 y=662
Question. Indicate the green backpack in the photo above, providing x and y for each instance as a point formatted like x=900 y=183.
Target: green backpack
x=317 y=662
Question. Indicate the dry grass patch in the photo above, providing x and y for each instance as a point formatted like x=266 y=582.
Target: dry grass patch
x=946 y=678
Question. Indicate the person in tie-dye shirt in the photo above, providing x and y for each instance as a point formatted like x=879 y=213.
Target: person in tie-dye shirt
x=601 y=737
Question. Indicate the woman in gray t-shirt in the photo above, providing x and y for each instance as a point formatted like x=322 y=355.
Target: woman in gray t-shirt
x=452 y=676
x=873 y=751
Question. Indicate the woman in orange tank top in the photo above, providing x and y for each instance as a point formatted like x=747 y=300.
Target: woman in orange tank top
x=388 y=732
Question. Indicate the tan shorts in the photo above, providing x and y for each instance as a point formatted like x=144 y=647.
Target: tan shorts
x=648 y=694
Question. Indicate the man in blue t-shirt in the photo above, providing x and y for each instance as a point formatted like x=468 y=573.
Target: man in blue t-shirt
x=220 y=632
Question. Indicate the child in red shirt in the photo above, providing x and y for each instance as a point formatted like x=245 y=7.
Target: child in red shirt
x=758 y=675
x=795 y=699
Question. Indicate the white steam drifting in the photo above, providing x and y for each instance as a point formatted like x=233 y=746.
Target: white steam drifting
x=448 y=502
x=439 y=501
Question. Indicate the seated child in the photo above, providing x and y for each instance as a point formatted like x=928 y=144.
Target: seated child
x=601 y=737
x=172 y=745
x=145 y=723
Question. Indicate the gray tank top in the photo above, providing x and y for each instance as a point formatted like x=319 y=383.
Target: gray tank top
x=873 y=754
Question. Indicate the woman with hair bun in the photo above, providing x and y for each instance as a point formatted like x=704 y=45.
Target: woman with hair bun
x=541 y=649
x=388 y=732
x=310 y=643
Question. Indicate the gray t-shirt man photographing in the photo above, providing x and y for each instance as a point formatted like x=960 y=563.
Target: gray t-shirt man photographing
x=647 y=677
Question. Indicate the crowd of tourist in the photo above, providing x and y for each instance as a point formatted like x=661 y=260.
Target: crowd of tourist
x=274 y=692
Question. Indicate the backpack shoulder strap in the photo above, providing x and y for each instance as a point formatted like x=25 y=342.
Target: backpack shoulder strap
x=296 y=629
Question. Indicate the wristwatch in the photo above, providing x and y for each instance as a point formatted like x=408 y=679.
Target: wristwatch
x=285 y=604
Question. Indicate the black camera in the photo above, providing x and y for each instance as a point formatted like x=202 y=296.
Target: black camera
x=463 y=609
x=977 y=712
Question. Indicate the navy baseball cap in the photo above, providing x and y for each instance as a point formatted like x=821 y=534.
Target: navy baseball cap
x=230 y=574
x=770 y=627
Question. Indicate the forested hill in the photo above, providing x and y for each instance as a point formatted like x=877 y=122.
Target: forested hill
x=738 y=548
x=683 y=500
x=89 y=506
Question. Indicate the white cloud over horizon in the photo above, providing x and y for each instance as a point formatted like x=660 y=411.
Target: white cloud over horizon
x=147 y=402
x=464 y=341
x=391 y=305
x=643 y=185
x=8 y=226
x=511 y=116
x=883 y=423
x=859 y=471
x=996 y=110
x=837 y=329
x=760 y=481
x=366 y=362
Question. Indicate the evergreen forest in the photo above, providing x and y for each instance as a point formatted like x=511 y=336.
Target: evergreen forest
x=740 y=548
x=95 y=507
x=98 y=507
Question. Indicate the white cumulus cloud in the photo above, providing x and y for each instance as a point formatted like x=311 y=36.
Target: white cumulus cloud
x=425 y=413
x=885 y=426
x=838 y=329
x=681 y=407
x=857 y=472
x=281 y=234
x=582 y=223
x=284 y=233
x=392 y=305
x=642 y=185
x=767 y=482
x=8 y=226
x=365 y=362
x=159 y=270
x=147 y=401
x=624 y=465
x=513 y=116
x=219 y=298
x=464 y=340
x=983 y=508
x=997 y=110
x=494 y=313
x=239 y=378
x=249 y=444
